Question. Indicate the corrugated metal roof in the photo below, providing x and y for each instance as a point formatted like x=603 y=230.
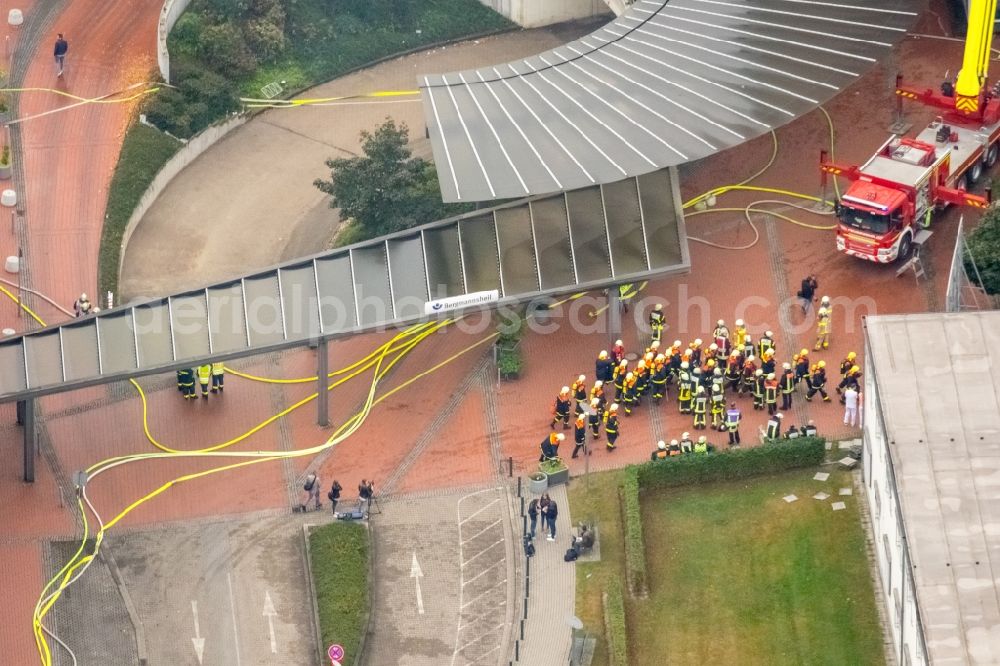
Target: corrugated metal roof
x=938 y=381
x=664 y=84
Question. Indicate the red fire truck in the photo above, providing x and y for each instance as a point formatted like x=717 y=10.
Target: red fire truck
x=898 y=189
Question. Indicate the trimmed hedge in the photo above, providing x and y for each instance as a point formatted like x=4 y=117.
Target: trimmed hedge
x=635 y=546
x=614 y=619
x=733 y=464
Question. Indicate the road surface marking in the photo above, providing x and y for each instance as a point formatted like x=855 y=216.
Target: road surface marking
x=197 y=641
x=232 y=606
x=416 y=574
x=269 y=613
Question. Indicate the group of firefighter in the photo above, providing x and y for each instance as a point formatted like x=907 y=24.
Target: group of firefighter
x=732 y=364
x=208 y=374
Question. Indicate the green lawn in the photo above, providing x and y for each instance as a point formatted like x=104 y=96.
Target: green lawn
x=737 y=575
x=339 y=553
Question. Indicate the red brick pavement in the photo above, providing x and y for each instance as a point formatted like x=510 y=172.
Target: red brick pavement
x=68 y=227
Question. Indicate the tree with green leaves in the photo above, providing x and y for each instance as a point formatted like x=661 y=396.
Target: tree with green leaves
x=386 y=189
x=984 y=246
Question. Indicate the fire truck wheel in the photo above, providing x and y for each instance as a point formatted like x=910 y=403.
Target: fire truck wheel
x=991 y=156
x=905 y=246
x=974 y=174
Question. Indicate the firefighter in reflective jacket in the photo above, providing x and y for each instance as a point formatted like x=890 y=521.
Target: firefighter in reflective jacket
x=851 y=380
x=773 y=427
x=675 y=448
x=560 y=411
x=660 y=452
x=675 y=354
x=656 y=321
x=686 y=444
x=733 y=418
x=579 y=435
x=631 y=393
x=550 y=446
x=604 y=368
x=787 y=385
x=597 y=393
x=595 y=417
x=701 y=446
x=749 y=376
x=739 y=334
x=733 y=371
x=765 y=343
x=801 y=365
x=700 y=407
x=660 y=374
x=771 y=393
x=204 y=377
x=817 y=382
x=767 y=362
x=619 y=379
x=721 y=338
x=748 y=346
x=218 y=377
x=718 y=406
x=845 y=367
x=611 y=426
x=684 y=388
x=822 y=329
x=641 y=381
x=758 y=388
x=695 y=348
x=617 y=352
x=185 y=383
x=579 y=390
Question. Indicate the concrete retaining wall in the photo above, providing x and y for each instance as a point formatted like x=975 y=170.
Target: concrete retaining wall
x=191 y=151
x=536 y=13
x=172 y=10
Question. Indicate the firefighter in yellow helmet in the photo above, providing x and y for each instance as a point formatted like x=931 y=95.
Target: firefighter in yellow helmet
x=204 y=377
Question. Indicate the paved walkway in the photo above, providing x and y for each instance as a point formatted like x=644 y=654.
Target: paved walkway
x=249 y=201
x=547 y=632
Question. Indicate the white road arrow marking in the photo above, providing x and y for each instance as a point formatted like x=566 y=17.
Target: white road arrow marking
x=416 y=574
x=269 y=613
x=197 y=641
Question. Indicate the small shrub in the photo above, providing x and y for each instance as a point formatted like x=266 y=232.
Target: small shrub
x=5 y=156
x=510 y=362
x=984 y=246
x=614 y=619
x=635 y=545
x=551 y=467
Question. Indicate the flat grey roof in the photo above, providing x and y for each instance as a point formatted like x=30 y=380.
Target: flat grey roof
x=664 y=84
x=572 y=241
x=938 y=382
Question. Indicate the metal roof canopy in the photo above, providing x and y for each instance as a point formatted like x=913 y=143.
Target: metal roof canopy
x=940 y=397
x=588 y=238
x=664 y=84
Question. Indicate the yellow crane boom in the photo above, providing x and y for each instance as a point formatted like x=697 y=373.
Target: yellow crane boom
x=976 y=61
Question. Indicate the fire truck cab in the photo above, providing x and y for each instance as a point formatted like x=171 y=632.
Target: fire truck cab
x=902 y=184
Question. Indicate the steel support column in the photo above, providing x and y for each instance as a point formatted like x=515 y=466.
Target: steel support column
x=614 y=314
x=322 y=370
x=29 y=440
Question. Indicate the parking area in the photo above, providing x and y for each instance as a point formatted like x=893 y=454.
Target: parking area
x=444 y=580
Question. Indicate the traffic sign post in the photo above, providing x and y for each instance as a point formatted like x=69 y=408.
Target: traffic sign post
x=336 y=654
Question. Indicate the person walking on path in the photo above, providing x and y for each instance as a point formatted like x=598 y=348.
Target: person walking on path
x=807 y=292
x=851 y=407
x=311 y=487
x=334 y=495
x=62 y=46
x=533 y=515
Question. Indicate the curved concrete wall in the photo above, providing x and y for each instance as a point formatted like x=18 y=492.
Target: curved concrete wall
x=172 y=10
x=537 y=13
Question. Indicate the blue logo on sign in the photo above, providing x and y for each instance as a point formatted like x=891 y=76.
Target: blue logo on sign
x=437 y=306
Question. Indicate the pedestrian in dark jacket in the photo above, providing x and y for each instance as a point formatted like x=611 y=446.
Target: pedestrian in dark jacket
x=808 y=291
x=533 y=515
x=334 y=495
x=551 y=512
x=62 y=46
